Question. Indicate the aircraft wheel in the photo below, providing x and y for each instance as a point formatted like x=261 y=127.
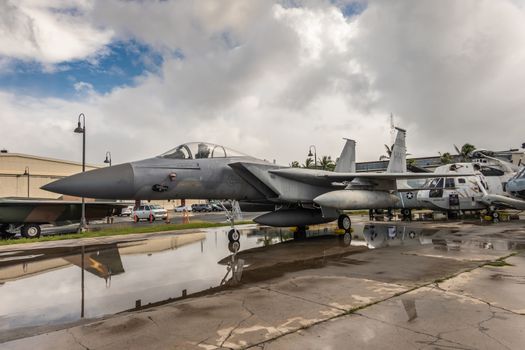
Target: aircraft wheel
x=3 y=231
x=344 y=222
x=234 y=235
x=31 y=231
x=234 y=247
x=345 y=240
x=495 y=215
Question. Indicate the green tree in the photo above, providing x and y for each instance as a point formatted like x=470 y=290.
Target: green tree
x=309 y=163
x=388 y=153
x=466 y=151
x=445 y=158
x=326 y=163
x=295 y=164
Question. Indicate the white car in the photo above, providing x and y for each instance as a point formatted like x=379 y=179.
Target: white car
x=150 y=212
x=127 y=211
x=182 y=208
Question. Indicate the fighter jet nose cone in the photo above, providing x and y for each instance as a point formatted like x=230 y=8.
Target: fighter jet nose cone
x=115 y=182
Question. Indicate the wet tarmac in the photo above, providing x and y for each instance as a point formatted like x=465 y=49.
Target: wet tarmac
x=305 y=288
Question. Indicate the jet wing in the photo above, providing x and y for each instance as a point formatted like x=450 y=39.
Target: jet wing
x=52 y=211
x=256 y=175
x=385 y=181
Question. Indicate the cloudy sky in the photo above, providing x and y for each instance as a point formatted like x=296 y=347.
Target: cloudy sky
x=266 y=78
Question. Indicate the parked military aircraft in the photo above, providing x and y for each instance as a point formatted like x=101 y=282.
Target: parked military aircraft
x=294 y=196
x=26 y=215
x=484 y=188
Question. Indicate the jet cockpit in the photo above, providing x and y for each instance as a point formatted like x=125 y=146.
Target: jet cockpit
x=516 y=185
x=201 y=150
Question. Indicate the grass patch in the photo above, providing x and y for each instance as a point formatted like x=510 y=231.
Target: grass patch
x=121 y=231
x=498 y=263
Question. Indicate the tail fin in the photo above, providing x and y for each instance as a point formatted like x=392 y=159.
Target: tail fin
x=346 y=162
x=398 y=158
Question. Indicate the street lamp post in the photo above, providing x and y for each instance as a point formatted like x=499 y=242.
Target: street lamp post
x=26 y=172
x=315 y=154
x=81 y=129
x=108 y=158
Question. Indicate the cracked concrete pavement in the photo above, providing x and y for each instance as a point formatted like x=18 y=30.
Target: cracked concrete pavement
x=406 y=296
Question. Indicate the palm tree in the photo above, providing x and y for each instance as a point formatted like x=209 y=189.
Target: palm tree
x=388 y=153
x=326 y=163
x=445 y=158
x=309 y=163
x=466 y=151
x=295 y=164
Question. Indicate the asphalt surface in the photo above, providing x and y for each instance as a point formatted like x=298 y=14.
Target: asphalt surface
x=420 y=285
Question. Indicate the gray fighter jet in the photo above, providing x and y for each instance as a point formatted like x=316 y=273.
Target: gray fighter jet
x=292 y=196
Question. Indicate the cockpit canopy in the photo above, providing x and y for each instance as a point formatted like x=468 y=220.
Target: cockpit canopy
x=520 y=174
x=200 y=150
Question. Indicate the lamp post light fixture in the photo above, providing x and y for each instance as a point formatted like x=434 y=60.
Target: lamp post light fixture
x=314 y=154
x=81 y=129
x=108 y=158
x=26 y=172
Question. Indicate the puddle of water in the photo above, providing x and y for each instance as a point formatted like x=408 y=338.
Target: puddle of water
x=47 y=286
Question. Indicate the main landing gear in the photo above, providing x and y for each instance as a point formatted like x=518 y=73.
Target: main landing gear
x=493 y=214
x=344 y=223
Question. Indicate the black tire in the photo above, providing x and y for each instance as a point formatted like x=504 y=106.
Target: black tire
x=3 y=232
x=31 y=231
x=234 y=247
x=234 y=235
x=495 y=215
x=344 y=222
x=345 y=240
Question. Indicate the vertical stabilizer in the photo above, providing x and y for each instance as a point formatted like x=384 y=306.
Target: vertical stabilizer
x=346 y=162
x=398 y=158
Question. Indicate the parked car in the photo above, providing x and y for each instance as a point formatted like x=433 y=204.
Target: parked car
x=150 y=212
x=127 y=211
x=201 y=207
x=217 y=207
x=182 y=208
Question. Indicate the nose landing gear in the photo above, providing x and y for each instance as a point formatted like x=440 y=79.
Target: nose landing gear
x=233 y=235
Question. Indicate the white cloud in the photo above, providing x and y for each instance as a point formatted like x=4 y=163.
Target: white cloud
x=49 y=31
x=270 y=80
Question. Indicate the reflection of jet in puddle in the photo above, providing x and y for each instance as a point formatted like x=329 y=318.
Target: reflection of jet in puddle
x=102 y=260
x=410 y=308
x=234 y=266
x=268 y=261
x=103 y=263
x=380 y=236
x=443 y=239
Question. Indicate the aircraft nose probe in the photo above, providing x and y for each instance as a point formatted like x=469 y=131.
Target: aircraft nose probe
x=107 y=183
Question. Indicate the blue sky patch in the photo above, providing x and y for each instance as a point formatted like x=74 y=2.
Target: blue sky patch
x=352 y=8
x=119 y=66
